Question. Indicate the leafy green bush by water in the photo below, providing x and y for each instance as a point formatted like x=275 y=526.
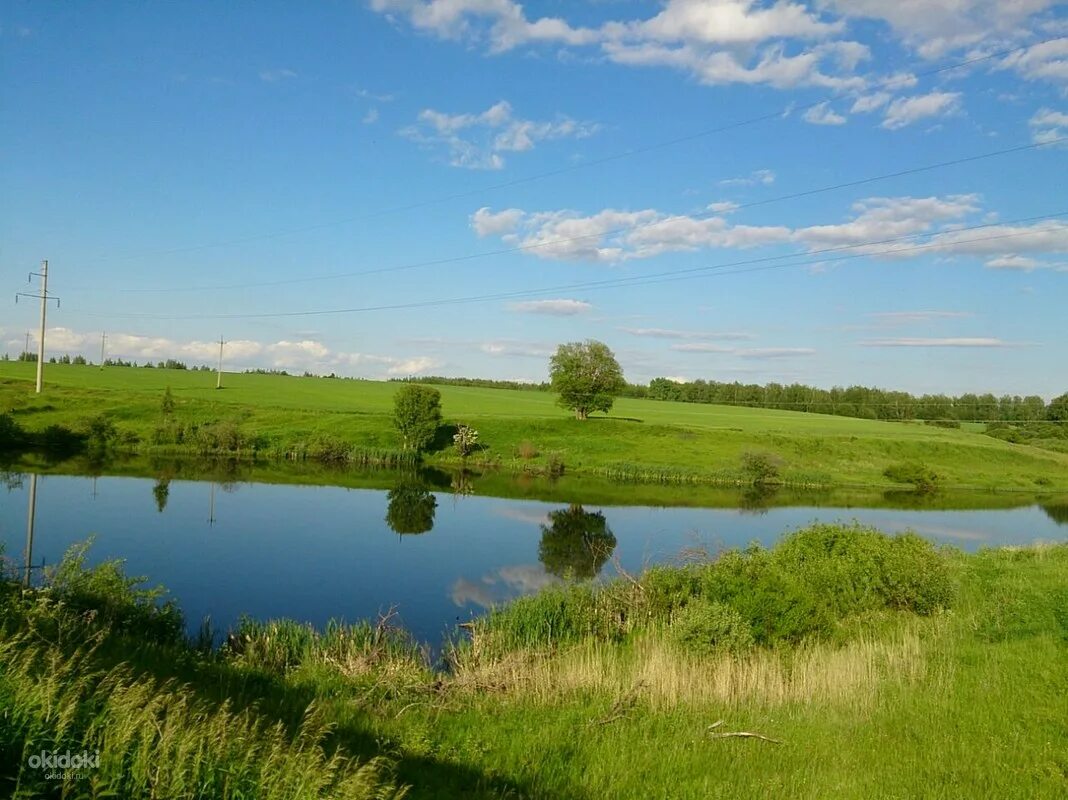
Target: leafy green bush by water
x=919 y=475
x=707 y=628
x=805 y=587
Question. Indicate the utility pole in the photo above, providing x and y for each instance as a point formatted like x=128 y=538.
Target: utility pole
x=218 y=378
x=103 y=344
x=44 y=297
x=26 y=350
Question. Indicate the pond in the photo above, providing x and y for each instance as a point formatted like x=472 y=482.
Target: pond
x=437 y=556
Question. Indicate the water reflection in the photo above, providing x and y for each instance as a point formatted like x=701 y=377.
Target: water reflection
x=576 y=543
x=501 y=585
x=411 y=507
x=1058 y=512
x=161 y=492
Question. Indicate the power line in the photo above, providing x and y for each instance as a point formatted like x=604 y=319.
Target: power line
x=778 y=114
x=638 y=280
x=598 y=235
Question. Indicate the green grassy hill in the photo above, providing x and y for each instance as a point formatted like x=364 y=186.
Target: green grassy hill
x=639 y=440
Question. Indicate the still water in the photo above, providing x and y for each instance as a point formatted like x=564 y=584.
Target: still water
x=316 y=552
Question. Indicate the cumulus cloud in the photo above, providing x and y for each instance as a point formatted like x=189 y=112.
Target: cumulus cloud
x=1044 y=61
x=867 y=103
x=907 y=110
x=555 y=308
x=823 y=114
x=478 y=141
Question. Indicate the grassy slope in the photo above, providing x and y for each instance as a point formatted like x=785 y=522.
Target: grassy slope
x=675 y=436
x=969 y=703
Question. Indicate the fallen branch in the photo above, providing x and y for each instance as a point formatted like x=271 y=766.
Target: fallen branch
x=740 y=734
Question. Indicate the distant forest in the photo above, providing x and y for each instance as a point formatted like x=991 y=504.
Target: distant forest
x=855 y=401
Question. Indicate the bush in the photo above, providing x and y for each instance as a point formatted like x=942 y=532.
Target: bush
x=11 y=434
x=329 y=449
x=527 y=451
x=919 y=475
x=761 y=467
x=417 y=415
x=555 y=465
x=465 y=440
x=708 y=628
x=112 y=598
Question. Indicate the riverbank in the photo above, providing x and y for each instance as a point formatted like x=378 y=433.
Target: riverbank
x=863 y=666
x=643 y=441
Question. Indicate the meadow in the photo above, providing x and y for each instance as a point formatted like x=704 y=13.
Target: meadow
x=640 y=440
x=841 y=663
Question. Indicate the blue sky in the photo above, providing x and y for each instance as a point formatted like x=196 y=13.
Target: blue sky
x=184 y=168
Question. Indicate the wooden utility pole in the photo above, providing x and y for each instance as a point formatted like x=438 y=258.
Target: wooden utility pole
x=103 y=344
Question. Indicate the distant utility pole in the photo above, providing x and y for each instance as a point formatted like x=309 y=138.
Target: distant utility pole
x=27 y=348
x=44 y=297
x=103 y=344
x=218 y=379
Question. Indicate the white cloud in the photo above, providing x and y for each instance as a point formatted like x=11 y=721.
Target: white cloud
x=867 y=103
x=1045 y=61
x=477 y=141
x=935 y=27
x=276 y=75
x=762 y=177
x=555 y=308
x=510 y=348
x=614 y=236
x=1013 y=261
x=1048 y=125
x=238 y=354
x=907 y=110
x=823 y=114
x=370 y=117
x=723 y=207
x=948 y=342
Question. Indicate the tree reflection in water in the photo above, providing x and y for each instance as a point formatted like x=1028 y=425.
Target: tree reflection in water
x=576 y=543
x=411 y=507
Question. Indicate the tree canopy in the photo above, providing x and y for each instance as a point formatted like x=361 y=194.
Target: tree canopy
x=417 y=415
x=587 y=377
x=576 y=543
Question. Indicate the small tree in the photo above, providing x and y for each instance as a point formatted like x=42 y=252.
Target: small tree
x=465 y=440
x=167 y=404
x=417 y=415
x=587 y=377
x=1058 y=409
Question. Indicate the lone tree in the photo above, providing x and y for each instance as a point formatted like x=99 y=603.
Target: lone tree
x=586 y=375
x=417 y=415
x=576 y=543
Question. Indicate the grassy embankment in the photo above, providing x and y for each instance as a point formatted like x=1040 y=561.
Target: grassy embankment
x=874 y=667
x=641 y=440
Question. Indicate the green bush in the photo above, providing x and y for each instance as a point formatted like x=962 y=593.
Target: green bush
x=761 y=467
x=707 y=628
x=112 y=598
x=922 y=477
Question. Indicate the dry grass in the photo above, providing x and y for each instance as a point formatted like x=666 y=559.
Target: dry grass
x=665 y=678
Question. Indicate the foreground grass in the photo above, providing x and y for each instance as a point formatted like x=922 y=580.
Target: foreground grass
x=875 y=667
x=642 y=441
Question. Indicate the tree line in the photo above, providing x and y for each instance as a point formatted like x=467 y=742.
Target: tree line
x=864 y=402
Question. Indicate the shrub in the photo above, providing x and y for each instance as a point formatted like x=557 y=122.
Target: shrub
x=707 y=628
x=417 y=415
x=919 y=475
x=166 y=405
x=112 y=598
x=465 y=440
x=329 y=449
x=761 y=467
x=11 y=434
x=555 y=465
x=527 y=451
x=100 y=432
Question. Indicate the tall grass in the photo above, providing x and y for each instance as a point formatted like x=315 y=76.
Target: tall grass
x=155 y=739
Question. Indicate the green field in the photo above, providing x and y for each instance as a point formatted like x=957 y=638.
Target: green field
x=875 y=667
x=640 y=440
